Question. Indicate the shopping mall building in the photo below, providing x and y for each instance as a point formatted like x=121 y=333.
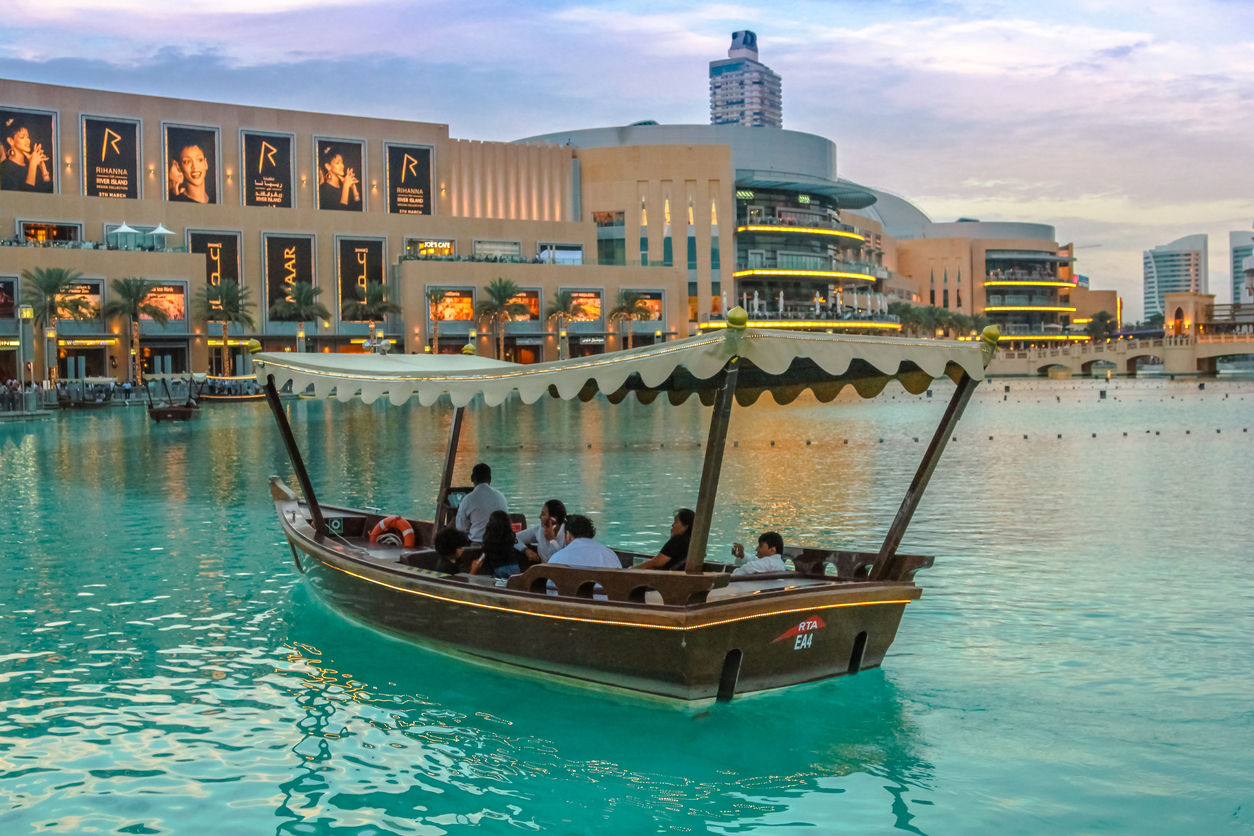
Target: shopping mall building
x=692 y=218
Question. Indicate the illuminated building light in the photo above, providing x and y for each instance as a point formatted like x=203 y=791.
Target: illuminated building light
x=1079 y=321
x=837 y=233
x=822 y=274
x=218 y=343
x=1000 y=283
x=83 y=343
x=1011 y=338
x=839 y=323
x=1002 y=308
x=742 y=194
x=9 y=343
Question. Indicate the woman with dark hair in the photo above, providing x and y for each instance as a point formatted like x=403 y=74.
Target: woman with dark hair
x=540 y=542
x=500 y=558
x=674 y=555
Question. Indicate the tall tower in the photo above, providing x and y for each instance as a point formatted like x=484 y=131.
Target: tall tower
x=1241 y=245
x=744 y=91
x=1179 y=267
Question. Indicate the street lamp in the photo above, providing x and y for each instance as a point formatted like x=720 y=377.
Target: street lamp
x=50 y=355
x=25 y=313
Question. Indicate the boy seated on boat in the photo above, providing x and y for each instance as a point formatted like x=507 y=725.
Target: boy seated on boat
x=769 y=559
x=450 y=547
x=581 y=549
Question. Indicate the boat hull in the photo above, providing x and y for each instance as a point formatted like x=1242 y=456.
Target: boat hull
x=173 y=413
x=772 y=639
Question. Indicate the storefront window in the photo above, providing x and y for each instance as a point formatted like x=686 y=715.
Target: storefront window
x=560 y=253
x=429 y=247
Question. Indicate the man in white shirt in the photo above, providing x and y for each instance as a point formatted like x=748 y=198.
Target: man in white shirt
x=478 y=505
x=581 y=549
x=769 y=559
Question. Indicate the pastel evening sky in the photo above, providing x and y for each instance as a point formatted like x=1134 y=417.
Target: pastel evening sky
x=1125 y=123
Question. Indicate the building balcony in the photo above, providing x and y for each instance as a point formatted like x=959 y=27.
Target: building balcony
x=1024 y=278
x=832 y=270
x=822 y=229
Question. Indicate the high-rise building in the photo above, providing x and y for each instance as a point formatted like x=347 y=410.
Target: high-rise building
x=744 y=91
x=1179 y=267
x=1241 y=245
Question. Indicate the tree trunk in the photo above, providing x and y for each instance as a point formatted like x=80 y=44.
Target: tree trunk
x=134 y=353
x=500 y=335
x=629 y=333
x=435 y=336
x=300 y=342
x=226 y=350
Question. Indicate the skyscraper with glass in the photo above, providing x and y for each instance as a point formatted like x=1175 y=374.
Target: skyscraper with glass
x=1241 y=246
x=1178 y=267
x=744 y=91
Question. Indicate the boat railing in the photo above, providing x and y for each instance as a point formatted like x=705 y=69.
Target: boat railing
x=849 y=566
x=677 y=589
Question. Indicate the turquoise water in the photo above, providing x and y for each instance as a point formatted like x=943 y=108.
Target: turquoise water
x=1080 y=660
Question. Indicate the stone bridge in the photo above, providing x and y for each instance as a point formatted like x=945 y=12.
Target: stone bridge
x=1187 y=354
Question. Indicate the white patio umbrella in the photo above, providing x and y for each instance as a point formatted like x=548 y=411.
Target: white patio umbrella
x=781 y=304
x=724 y=295
x=123 y=230
x=755 y=303
x=816 y=305
x=160 y=230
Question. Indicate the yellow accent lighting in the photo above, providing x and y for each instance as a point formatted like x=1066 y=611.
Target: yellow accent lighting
x=605 y=621
x=822 y=274
x=1001 y=308
x=837 y=233
x=837 y=323
x=1000 y=283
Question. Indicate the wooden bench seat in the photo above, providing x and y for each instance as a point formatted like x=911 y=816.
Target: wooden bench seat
x=676 y=589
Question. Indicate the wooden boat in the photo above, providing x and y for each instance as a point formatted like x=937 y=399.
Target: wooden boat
x=694 y=636
x=170 y=409
x=84 y=397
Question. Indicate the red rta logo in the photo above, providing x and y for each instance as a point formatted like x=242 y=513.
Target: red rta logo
x=803 y=633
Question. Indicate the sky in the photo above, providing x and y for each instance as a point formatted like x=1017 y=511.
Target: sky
x=1124 y=123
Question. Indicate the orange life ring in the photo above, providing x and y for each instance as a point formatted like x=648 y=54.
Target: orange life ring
x=397 y=524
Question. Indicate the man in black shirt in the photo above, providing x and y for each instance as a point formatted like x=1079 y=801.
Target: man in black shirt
x=674 y=555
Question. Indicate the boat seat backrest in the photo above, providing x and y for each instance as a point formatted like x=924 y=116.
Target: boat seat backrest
x=677 y=589
x=850 y=566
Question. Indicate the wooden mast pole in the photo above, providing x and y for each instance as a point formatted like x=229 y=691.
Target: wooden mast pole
x=293 y=453
x=450 y=459
x=712 y=468
x=887 y=565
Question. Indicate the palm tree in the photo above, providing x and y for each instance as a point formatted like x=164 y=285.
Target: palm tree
x=564 y=307
x=371 y=305
x=228 y=303
x=630 y=307
x=300 y=306
x=129 y=299
x=499 y=308
x=44 y=289
x=1100 y=325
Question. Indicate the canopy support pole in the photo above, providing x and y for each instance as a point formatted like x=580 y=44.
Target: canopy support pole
x=293 y=453
x=888 y=565
x=450 y=459
x=712 y=468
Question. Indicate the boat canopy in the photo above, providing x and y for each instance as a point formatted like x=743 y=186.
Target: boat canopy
x=782 y=363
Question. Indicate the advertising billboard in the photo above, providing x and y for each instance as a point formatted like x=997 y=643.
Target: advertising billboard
x=409 y=180
x=289 y=259
x=590 y=302
x=267 y=169
x=28 y=153
x=458 y=305
x=88 y=291
x=8 y=298
x=652 y=300
x=530 y=298
x=191 y=164
x=170 y=298
x=111 y=158
x=360 y=262
x=221 y=252
x=340 y=167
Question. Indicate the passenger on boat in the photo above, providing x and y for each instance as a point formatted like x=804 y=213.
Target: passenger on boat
x=541 y=542
x=450 y=545
x=581 y=549
x=478 y=505
x=769 y=559
x=674 y=555
x=500 y=558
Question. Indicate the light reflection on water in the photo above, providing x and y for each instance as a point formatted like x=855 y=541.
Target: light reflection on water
x=1079 y=660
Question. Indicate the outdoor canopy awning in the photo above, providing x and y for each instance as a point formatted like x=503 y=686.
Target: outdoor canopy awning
x=782 y=363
